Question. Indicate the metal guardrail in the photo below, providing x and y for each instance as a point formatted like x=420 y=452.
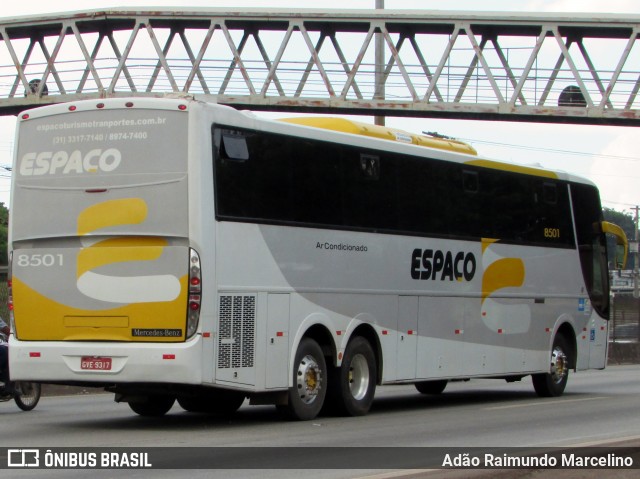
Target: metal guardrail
x=625 y=318
x=580 y=68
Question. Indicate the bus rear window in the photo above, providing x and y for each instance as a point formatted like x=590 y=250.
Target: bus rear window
x=67 y=163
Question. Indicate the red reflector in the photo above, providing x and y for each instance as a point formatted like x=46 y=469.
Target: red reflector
x=25 y=116
x=182 y=107
x=168 y=356
x=34 y=354
x=548 y=330
x=206 y=335
x=385 y=332
x=100 y=105
x=279 y=334
x=129 y=104
x=458 y=331
x=339 y=333
x=500 y=331
x=194 y=306
x=72 y=108
x=410 y=332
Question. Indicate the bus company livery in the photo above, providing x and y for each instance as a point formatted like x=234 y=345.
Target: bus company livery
x=173 y=250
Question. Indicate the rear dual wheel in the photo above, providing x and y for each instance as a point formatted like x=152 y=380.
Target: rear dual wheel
x=353 y=385
x=306 y=396
x=348 y=390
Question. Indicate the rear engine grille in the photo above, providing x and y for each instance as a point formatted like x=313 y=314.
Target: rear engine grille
x=236 y=339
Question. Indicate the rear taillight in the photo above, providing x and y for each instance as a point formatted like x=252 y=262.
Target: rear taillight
x=195 y=293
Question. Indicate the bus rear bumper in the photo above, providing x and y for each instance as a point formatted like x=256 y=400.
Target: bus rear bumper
x=90 y=362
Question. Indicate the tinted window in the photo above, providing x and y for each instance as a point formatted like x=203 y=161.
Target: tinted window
x=592 y=245
x=283 y=179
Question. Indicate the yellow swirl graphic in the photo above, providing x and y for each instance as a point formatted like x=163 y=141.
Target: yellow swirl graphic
x=502 y=273
x=128 y=289
x=119 y=250
x=125 y=211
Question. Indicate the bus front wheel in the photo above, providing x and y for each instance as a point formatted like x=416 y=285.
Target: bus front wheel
x=353 y=385
x=306 y=396
x=553 y=383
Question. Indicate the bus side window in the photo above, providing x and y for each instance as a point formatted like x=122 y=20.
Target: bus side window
x=234 y=146
x=470 y=182
x=550 y=193
x=369 y=167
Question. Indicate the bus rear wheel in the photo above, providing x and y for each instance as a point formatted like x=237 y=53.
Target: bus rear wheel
x=153 y=406
x=553 y=383
x=353 y=385
x=306 y=396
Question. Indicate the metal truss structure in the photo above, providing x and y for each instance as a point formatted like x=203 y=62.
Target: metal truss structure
x=579 y=68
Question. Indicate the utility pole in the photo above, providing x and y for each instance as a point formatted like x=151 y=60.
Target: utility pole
x=379 y=67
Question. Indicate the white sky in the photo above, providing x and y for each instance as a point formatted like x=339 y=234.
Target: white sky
x=618 y=178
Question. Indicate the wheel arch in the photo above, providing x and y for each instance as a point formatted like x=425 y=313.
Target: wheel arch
x=566 y=330
x=321 y=335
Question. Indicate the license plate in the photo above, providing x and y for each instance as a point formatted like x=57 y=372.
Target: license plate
x=93 y=363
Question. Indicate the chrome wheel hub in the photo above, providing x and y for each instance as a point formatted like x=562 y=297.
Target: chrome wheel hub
x=359 y=377
x=559 y=365
x=308 y=379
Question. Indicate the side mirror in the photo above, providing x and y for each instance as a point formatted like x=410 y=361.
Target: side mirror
x=622 y=245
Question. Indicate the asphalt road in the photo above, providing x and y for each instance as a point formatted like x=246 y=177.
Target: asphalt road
x=599 y=408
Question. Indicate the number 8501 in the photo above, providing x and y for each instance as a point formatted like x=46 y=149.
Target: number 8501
x=36 y=260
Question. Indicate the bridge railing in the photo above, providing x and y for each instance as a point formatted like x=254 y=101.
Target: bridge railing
x=578 y=68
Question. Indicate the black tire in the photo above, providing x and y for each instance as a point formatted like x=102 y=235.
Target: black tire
x=306 y=397
x=29 y=395
x=353 y=385
x=218 y=402
x=553 y=383
x=431 y=387
x=153 y=406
